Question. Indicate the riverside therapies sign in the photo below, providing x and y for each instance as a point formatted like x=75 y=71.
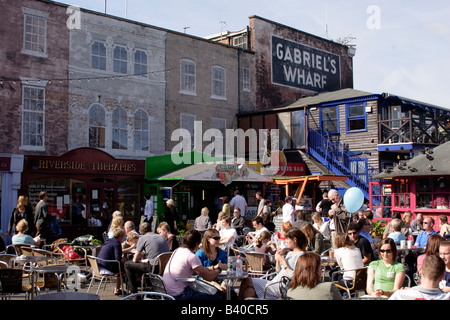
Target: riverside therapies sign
x=303 y=67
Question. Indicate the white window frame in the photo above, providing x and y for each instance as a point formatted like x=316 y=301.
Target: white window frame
x=98 y=56
x=120 y=60
x=246 y=79
x=240 y=42
x=187 y=122
x=188 y=81
x=218 y=93
x=35 y=15
x=140 y=63
x=37 y=85
x=143 y=132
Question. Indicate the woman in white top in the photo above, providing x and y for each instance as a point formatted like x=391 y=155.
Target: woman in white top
x=348 y=257
x=323 y=227
x=285 y=265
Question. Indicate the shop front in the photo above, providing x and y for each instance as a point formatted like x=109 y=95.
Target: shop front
x=201 y=185
x=419 y=185
x=85 y=184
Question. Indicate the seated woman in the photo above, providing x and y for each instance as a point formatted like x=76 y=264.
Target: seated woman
x=22 y=238
x=306 y=284
x=264 y=245
x=112 y=250
x=385 y=276
x=348 y=257
x=183 y=264
x=285 y=264
x=129 y=245
x=164 y=230
x=315 y=238
x=210 y=254
x=432 y=248
x=117 y=222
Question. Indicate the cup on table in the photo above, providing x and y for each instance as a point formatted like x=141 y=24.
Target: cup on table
x=409 y=244
x=403 y=244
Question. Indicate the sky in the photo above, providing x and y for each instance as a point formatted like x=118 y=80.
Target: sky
x=401 y=46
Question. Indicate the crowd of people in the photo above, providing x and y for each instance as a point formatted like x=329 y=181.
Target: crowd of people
x=297 y=250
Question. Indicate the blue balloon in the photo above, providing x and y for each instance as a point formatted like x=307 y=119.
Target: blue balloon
x=353 y=199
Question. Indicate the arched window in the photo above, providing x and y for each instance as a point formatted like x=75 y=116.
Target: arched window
x=97 y=126
x=119 y=129
x=141 y=130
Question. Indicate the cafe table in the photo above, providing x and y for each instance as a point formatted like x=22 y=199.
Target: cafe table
x=230 y=279
x=67 y=295
x=58 y=270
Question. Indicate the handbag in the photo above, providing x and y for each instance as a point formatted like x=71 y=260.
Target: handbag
x=202 y=286
x=195 y=283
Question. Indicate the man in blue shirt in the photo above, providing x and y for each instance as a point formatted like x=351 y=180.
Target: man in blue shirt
x=422 y=238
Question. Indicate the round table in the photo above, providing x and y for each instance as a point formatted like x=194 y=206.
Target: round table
x=67 y=296
x=58 y=270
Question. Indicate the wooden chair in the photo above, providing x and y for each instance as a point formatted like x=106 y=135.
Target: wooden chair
x=23 y=249
x=13 y=283
x=256 y=262
x=97 y=275
x=359 y=282
x=7 y=258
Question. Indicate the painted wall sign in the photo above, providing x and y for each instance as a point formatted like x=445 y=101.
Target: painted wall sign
x=300 y=66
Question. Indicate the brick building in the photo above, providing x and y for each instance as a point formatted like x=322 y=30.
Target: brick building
x=34 y=56
x=291 y=64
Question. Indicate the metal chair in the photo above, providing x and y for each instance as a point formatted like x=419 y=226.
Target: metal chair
x=23 y=249
x=7 y=258
x=359 y=282
x=148 y=295
x=157 y=283
x=97 y=275
x=160 y=261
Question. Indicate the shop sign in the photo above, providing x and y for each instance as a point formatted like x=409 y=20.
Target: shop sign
x=303 y=67
x=229 y=172
x=288 y=169
x=84 y=160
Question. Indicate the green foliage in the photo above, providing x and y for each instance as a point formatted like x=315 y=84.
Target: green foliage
x=378 y=228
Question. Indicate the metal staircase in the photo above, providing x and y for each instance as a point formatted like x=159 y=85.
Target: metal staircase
x=340 y=160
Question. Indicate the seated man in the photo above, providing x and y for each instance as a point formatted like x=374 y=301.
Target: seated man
x=433 y=271
x=228 y=235
x=428 y=230
x=360 y=242
x=149 y=246
x=258 y=224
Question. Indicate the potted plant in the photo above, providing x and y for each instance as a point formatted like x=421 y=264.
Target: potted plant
x=378 y=229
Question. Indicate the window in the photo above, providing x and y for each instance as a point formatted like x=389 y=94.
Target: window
x=246 y=79
x=356 y=117
x=120 y=60
x=140 y=63
x=218 y=82
x=97 y=126
x=35 y=34
x=221 y=125
x=284 y=127
x=187 y=77
x=33 y=113
x=298 y=129
x=98 y=56
x=240 y=42
x=119 y=129
x=329 y=121
x=141 y=130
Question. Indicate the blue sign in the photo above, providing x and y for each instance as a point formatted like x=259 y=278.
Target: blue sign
x=303 y=67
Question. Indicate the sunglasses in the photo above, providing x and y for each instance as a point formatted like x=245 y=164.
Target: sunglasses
x=216 y=238
x=352 y=233
x=386 y=251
